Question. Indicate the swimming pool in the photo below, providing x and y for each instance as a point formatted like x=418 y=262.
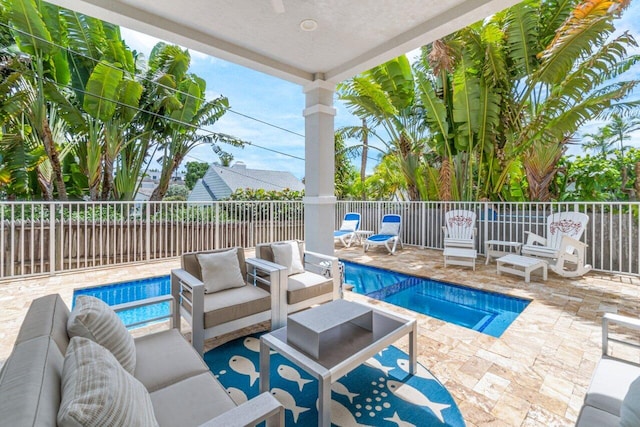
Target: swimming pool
x=134 y=290
x=487 y=312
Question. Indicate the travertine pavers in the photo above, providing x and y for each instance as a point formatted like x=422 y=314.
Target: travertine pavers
x=536 y=374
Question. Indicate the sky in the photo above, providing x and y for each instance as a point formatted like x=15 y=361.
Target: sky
x=277 y=107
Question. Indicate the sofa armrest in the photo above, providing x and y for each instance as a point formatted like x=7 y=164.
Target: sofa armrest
x=533 y=238
x=258 y=270
x=628 y=322
x=146 y=302
x=264 y=407
x=327 y=265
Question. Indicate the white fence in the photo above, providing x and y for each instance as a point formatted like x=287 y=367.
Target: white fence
x=44 y=238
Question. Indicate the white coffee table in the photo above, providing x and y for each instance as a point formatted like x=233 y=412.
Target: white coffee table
x=497 y=248
x=460 y=256
x=357 y=345
x=521 y=266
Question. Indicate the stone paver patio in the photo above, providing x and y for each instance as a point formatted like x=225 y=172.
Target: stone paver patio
x=536 y=374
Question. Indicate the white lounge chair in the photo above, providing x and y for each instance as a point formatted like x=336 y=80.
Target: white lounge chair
x=562 y=244
x=388 y=235
x=347 y=232
x=460 y=229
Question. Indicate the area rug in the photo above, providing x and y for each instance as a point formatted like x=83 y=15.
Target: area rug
x=378 y=393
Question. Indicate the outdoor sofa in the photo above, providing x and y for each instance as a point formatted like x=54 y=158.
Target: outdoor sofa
x=613 y=396
x=179 y=386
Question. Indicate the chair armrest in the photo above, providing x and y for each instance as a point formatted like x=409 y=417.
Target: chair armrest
x=193 y=305
x=275 y=277
x=628 y=322
x=263 y=407
x=146 y=302
x=570 y=241
x=328 y=266
x=533 y=238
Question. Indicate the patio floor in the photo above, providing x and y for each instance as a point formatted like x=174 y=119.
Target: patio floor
x=536 y=374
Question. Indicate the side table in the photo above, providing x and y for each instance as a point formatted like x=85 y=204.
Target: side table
x=498 y=248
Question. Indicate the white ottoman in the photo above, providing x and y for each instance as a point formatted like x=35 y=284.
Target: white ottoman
x=460 y=256
x=521 y=266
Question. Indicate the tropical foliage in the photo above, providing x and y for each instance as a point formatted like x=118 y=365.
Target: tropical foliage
x=487 y=112
x=82 y=116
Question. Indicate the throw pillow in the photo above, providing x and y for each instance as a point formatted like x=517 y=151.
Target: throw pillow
x=630 y=409
x=287 y=254
x=349 y=225
x=97 y=391
x=389 y=228
x=92 y=318
x=220 y=271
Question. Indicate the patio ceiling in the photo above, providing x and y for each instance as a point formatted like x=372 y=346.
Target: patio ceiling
x=351 y=36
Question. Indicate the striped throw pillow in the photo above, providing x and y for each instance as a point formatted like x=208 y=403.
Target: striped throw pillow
x=92 y=318
x=97 y=391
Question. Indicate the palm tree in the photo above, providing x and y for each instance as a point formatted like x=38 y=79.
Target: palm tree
x=385 y=96
x=601 y=143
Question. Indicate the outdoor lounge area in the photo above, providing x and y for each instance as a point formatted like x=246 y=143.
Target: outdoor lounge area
x=536 y=374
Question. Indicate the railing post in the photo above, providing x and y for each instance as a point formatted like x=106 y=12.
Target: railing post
x=485 y=227
x=271 y=223
x=52 y=238
x=423 y=226
x=148 y=231
x=216 y=232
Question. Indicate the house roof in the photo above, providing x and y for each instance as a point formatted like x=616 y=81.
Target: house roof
x=266 y=35
x=240 y=177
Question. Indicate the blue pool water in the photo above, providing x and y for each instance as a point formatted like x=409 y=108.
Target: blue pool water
x=120 y=293
x=486 y=312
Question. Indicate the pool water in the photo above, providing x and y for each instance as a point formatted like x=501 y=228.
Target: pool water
x=123 y=292
x=487 y=312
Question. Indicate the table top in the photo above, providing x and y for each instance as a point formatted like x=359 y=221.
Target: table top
x=327 y=316
x=503 y=243
x=356 y=343
x=523 y=261
x=364 y=231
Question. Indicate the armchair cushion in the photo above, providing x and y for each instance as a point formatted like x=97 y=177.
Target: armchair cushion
x=233 y=304
x=220 y=271
x=96 y=390
x=287 y=254
x=92 y=318
x=307 y=285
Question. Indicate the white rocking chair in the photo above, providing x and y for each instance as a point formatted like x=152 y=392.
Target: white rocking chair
x=561 y=244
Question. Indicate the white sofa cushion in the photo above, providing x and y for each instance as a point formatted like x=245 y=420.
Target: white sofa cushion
x=97 y=391
x=630 y=409
x=220 y=271
x=92 y=318
x=287 y=254
x=610 y=383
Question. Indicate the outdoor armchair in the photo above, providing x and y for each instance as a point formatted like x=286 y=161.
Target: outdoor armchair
x=562 y=246
x=315 y=280
x=460 y=229
x=220 y=292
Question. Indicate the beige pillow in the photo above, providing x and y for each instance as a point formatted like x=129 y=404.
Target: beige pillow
x=92 y=318
x=287 y=254
x=220 y=271
x=97 y=391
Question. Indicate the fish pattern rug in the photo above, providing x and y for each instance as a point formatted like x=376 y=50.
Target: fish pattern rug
x=378 y=393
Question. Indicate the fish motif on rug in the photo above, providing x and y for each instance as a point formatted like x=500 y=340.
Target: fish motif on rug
x=380 y=392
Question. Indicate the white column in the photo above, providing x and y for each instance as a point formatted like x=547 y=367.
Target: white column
x=320 y=200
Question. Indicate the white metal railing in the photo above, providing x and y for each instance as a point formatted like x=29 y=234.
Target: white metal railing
x=50 y=237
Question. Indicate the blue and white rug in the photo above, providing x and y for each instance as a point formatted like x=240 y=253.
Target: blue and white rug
x=378 y=393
